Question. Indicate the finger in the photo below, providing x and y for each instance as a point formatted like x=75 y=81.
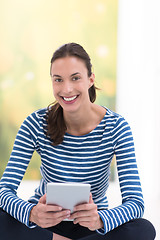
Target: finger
x=57 y=219
x=90 y=198
x=57 y=215
x=52 y=223
x=80 y=214
x=83 y=219
x=84 y=207
x=53 y=208
x=48 y=221
x=43 y=199
x=43 y=208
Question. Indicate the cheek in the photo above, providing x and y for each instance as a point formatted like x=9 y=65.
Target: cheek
x=54 y=89
x=83 y=86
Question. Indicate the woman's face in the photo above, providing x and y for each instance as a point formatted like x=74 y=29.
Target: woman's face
x=70 y=83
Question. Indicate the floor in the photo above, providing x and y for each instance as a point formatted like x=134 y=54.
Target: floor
x=152 y=210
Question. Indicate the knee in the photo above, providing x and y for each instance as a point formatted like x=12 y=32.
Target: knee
x=149 y=228
x=145 y=229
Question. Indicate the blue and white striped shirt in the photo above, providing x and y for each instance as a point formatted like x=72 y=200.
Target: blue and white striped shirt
x=84 y=159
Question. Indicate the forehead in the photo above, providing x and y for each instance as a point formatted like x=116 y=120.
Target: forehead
x=68 y=64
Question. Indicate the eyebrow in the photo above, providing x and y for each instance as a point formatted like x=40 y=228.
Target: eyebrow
x=56 y=75
x=75 y=74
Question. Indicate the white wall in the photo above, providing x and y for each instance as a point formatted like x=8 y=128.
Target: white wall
x=138 y=86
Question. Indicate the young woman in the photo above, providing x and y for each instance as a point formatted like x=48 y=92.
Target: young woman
x=76 y=140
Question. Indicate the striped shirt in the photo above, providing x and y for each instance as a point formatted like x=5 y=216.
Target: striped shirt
x=84 y=159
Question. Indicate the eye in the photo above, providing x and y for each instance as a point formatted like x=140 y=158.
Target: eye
x=58 y=80
x=75 y=78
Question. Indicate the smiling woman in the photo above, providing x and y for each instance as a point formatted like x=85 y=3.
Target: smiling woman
x=74 y=90
x=77 y=141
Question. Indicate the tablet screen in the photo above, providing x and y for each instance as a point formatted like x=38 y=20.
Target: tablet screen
x=67 y=195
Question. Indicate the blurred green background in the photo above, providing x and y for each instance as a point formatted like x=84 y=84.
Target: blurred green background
x=30 y=31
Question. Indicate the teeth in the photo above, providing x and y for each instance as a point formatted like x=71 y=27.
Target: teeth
x=69 y=99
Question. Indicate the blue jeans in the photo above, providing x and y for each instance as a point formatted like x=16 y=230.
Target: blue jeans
x=138 y=229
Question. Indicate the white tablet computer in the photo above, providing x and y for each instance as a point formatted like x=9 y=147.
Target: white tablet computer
x=67 y=195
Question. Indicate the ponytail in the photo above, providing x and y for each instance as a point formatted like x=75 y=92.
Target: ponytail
x=56 y=126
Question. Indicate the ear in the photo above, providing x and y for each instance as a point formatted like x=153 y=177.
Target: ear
x=91 y=80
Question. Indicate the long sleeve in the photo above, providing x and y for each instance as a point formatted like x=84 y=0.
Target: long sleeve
x=24 y=146
x=132 y=199
x=78 y=159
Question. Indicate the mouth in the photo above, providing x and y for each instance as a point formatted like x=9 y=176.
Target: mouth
x=70 y=99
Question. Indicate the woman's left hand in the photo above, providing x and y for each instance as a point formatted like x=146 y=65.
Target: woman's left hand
x=87 y=215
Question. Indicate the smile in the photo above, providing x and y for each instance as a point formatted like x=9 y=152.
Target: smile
x=68 y=99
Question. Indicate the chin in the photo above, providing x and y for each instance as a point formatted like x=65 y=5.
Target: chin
x=70 y=109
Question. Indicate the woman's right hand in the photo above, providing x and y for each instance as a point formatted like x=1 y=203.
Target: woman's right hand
x=47 y=215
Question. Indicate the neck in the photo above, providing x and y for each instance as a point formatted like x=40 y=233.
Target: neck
x=77 y=120
x=81 y=123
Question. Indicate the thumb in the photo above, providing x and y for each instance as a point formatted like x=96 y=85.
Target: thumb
x=90 y=198
x=43 y=199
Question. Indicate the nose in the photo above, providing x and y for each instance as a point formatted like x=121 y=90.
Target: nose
x=67 y=87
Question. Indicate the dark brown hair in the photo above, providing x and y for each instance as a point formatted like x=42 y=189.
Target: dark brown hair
x=56 y=126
